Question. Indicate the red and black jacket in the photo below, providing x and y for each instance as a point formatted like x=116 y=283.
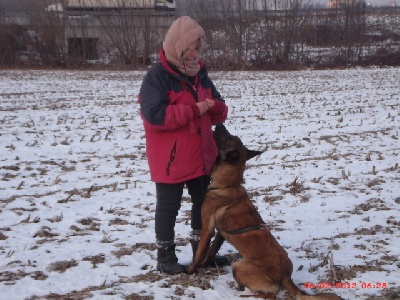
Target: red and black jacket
x=179 y=142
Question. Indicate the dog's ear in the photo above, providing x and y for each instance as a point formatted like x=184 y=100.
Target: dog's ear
x=252 y=153
x=232 y=156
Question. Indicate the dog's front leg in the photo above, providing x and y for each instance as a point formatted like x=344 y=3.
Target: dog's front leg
x=214 y=248
x=204 y=244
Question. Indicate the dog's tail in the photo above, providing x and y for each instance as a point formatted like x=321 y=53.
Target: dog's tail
x=298 y=294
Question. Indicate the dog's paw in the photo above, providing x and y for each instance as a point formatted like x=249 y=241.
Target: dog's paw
x=190 y=269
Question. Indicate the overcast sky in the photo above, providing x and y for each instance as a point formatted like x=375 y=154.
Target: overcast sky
x=12 y=3
x=373 y=2
x=383 y=2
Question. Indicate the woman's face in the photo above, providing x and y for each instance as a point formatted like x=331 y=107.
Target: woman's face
x=192 y=52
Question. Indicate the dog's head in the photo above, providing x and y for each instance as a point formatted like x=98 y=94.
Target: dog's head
x=231 y=148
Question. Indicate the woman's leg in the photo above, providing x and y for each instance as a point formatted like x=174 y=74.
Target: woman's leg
x=167 y=207
x=169 y=198
x=197 y=189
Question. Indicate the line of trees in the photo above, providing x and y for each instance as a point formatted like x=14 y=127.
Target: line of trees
x=241 y=35
x=279 y=34
x=51 y=34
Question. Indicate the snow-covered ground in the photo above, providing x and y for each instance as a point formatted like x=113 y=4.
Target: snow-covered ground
x=77 y=205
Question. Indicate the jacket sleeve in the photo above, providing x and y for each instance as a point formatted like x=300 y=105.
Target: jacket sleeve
x=155 y=107
x=219 y=112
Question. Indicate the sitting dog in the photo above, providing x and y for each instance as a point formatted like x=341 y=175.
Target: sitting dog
x=265 y=266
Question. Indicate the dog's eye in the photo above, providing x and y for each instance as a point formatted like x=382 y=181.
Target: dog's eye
x=232 y=156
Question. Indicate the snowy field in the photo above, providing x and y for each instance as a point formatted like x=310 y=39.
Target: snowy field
x=77 y=206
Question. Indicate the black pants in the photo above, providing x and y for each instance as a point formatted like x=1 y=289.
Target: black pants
x=169 y=202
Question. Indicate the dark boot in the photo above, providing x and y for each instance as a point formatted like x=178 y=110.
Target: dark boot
x=219 y=261
x=167 y=261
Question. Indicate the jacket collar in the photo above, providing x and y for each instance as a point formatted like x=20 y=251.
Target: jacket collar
x=176 y=73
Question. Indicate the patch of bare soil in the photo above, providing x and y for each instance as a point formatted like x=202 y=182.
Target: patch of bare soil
x=181 y=281
x=9 y=278
x=62 y=266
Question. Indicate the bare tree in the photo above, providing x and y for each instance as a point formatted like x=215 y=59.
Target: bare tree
x=354 y=30
x=252 y=33
x=11 y=43
x=344 y=30
x=130 y=30
x=48 y=35
x=282 y=32
x=229 y=27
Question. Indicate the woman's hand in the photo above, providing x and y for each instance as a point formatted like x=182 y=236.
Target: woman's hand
x=210 y=102
x=205 y=105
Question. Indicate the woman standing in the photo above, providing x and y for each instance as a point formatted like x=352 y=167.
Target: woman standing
x=179 y=104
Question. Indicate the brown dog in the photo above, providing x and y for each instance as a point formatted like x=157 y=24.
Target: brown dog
x=265 y=266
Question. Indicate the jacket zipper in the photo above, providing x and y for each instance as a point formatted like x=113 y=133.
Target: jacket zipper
x=192 y=89
x=171 y=158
